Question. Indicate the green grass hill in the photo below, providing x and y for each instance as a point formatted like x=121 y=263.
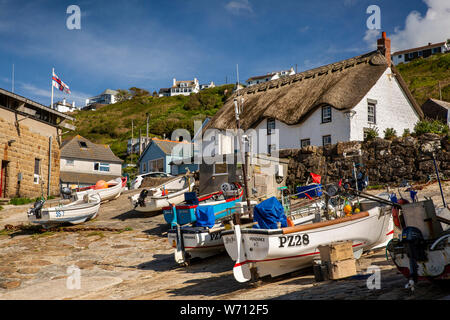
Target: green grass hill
x=424 y=75
x=111 y=124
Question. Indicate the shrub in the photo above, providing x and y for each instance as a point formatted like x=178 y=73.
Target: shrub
x=370 y=133
x=390 y=133
x=406 y=133
x=430 y=126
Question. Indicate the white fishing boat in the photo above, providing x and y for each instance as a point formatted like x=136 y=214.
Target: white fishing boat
x=154 y=199
x=113 y=191
x=274 y=252
x=78 y=211
x=423 y=250
x=201 y=242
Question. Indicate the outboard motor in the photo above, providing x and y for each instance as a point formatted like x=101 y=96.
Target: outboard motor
x=37 y=207
x=141 y=200
x=414 y=243
x=66 y=193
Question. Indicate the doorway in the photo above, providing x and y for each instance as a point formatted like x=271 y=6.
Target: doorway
x=3 y=174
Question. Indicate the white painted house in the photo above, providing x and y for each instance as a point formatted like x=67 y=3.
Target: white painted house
x=106 y=97
x=64 y=106
x=405 y=56
x=325 y=105
x=184 y=87
x=269 y=77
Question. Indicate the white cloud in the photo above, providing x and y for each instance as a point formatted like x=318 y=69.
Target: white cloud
x=371 y=37
x=419 y=30
x=239 y=6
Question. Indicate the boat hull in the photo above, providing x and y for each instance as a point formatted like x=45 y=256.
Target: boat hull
x=74 y=213
x=275 y=252
x=107 y=194
x=198 y=242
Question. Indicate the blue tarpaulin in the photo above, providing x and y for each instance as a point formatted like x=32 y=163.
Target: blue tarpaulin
x=205 y=216
x=268 y=213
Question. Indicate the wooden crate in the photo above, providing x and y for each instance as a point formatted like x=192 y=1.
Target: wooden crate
x=342 y=269
x=336 y=251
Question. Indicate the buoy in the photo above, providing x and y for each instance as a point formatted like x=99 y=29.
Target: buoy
x=348 y=209
x=101 y=184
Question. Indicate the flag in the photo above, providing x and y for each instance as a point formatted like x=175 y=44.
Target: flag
x=57 y=83
x=315 y=177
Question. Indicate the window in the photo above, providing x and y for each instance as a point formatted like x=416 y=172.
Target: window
x=220 y=169
x=326 y=114
x=399 y=56
x=82 y=144
x=326 y=140
x=419 y=53
x=270 y=126
x=305 y=143
x=98 y=166
x=144 y=167
x=37 y=170
x=156 y=165
x=371 y=112
x=70 y=162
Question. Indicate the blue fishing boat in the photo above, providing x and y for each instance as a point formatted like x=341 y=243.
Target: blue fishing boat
x=222 y=203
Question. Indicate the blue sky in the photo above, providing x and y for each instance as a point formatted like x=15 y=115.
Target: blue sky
x=146 y=43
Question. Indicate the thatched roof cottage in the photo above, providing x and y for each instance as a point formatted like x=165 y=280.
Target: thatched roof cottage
x=325 y=105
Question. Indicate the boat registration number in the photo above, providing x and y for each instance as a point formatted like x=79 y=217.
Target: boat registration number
x=59 y=214
x=294 y=240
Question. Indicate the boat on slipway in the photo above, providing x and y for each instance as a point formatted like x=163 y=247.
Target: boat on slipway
x=218 y=202
x=114 y=189
x=78 y=211
x=280 y=250
x=166 y=194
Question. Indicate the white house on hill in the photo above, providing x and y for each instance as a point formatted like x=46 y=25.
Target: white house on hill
x=269 y=77
x=107 y=97
x=184 y=87
x=408 y=55
x=325 y=105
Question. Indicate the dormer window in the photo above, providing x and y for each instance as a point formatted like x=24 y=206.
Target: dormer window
x=82 y=144
x=326 y=114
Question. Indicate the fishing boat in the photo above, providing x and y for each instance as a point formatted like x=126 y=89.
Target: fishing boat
x=156 y=198
x=284 y=249
x=78 y=211
x=201 y=241
x=218 y=202
x=112 y=191
x=423 y=250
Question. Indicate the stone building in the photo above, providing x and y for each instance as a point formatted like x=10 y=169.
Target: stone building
x=30 y=147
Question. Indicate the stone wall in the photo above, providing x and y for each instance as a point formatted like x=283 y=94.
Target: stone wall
x=387 y=161
x=20 y=158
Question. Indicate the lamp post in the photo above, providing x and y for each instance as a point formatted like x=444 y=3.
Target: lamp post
x=238 y=108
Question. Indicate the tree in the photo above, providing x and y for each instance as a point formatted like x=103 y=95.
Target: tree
x=122 y=95
x=138 y=92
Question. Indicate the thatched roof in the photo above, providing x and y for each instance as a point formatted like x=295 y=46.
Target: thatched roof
x=292 y=99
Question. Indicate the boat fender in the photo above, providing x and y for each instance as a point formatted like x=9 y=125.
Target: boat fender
x=395 y=213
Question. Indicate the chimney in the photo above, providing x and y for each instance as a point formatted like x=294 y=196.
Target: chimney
x=174 y=82
x=64 y=101
x=384 y=46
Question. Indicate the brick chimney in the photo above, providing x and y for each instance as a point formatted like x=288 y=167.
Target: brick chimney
x=384 y=46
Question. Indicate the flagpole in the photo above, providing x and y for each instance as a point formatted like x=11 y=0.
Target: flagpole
x=53 y=72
